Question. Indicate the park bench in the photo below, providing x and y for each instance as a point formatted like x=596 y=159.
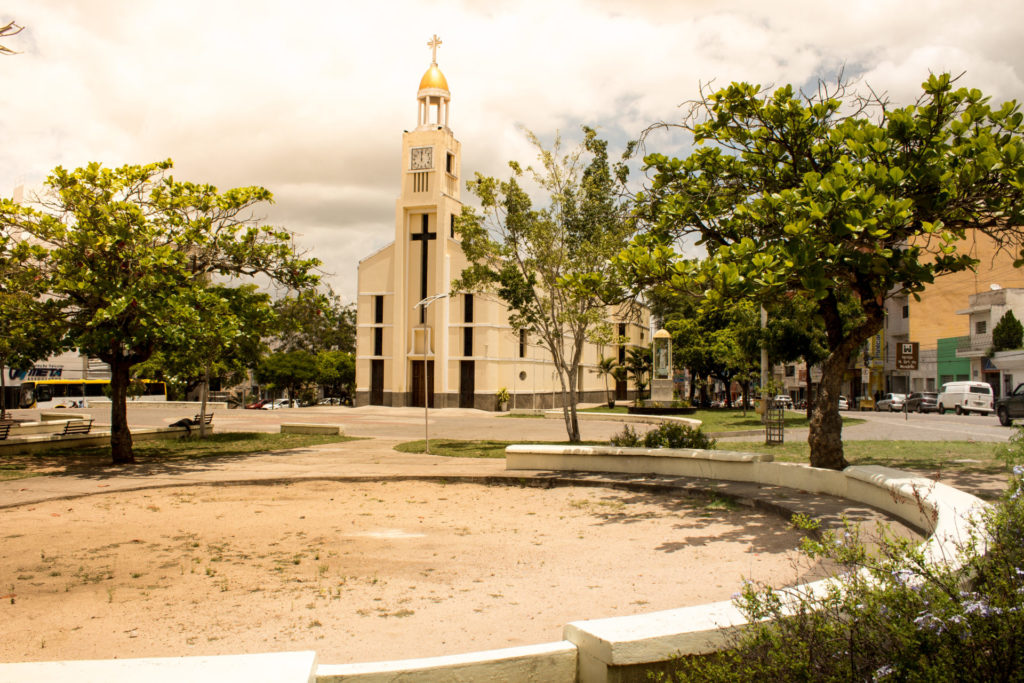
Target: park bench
x=189 y=424
x=5 y=429
x=77 y=427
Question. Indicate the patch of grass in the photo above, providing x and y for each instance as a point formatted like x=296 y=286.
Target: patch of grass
x=229 y=444
x=929 y=455
x=719 y=421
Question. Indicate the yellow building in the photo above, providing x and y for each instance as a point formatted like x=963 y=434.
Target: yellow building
x=938 y=316
x=415 y=337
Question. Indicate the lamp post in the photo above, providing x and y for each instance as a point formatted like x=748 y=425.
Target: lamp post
x=425 y=303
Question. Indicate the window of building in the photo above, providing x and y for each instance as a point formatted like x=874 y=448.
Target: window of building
x=378 y=341
x=467 y=307
x=906 y=311
x=981 y=327
x=467 y=341
x=522 y=343
x=452 y=221
x=790 y=371
x=378 y=309
x=449 y=164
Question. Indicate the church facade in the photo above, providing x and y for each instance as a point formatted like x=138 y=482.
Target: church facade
x=419 y=341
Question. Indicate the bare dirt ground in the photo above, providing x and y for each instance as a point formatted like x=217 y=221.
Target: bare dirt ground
x=361 y=571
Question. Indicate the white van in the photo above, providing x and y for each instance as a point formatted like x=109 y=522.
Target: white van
x=965 y=398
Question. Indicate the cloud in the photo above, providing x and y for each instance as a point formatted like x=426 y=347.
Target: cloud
x=309 y=98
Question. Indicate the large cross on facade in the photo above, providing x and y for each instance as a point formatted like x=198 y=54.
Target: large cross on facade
x=433 y=44
x=423 y=236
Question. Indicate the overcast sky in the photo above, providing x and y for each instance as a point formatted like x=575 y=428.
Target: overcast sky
x=309 y=98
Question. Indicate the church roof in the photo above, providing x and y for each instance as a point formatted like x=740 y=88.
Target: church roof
x=433 y=79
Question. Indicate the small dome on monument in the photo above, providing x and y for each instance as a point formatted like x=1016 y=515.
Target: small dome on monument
x=433 y=79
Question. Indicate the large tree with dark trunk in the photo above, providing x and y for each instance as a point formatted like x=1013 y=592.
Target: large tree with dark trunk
x=836 y=197
x=133 y=254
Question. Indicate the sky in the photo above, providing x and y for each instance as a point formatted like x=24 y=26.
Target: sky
x=309 y=98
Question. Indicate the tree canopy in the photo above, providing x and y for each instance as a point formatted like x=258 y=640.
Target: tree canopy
x=550 y=264
x=833 y=196
x=132 y=255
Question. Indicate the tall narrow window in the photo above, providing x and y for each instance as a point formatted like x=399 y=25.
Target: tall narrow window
x=522 y=343
x=378 y=341
x=468 y=307
x=452 y=217
x=378 y=309
x=467 y=341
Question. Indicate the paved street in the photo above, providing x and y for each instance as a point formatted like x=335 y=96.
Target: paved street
x=458 y=423
x=914 y=427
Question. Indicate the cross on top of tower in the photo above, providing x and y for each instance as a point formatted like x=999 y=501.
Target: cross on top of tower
x=433 y=44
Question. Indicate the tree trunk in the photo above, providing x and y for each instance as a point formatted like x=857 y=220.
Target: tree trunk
x=3 y=389
x=202 y=403
x=811 y=400
x=120 y=435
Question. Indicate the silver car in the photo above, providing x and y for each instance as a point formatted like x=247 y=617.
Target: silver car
x=891 y=402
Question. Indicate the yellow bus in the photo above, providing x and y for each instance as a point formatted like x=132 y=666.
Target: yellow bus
x=80 y=393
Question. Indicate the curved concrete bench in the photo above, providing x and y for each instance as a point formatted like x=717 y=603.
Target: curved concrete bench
x=606 y=645
x=626 y=417
x=605 y=649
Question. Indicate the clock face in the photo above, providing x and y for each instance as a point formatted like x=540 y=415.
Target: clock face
x=422 y=158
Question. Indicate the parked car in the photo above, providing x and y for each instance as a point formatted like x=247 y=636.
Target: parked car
x=966 y=398
x=890 y=402
x=258 y=404
x=1010 y=406
x=844 y=403
x=784 y=401
x=922 y=402
x=281 y=403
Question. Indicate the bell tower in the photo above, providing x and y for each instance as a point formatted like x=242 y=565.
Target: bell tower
x=424 y=237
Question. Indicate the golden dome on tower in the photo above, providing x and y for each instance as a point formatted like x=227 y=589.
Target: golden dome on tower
x=433 y=79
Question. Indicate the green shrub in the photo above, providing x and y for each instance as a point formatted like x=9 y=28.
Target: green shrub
x=628 y=438
x=891 y=617
x=669 y=435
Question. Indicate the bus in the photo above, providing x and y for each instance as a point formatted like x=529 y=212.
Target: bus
x=79 y=393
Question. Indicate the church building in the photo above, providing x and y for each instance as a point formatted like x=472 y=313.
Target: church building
x=416 y=339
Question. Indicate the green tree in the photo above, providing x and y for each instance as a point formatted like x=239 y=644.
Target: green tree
x=315 y=321
x=336 y=371
x=290 y=370
x=832 y=196
x=28 y=329
x=639 y=364
x=132 y=253
x=606 y=368
x=1008 y=334
x=550 y=265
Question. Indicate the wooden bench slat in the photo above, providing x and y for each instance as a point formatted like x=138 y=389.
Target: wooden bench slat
x=77 y=427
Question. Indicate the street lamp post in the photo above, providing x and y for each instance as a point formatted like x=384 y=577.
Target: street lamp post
x=425 y=303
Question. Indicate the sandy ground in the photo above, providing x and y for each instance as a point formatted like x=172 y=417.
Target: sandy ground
x=361 y=571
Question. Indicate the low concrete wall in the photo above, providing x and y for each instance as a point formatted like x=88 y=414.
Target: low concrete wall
x=625 y=417
x=597 y=650
x=37 y=443
x=277 y=667
x=62 y=416
x=548 y=662
x=608 y=647
x=309 y=428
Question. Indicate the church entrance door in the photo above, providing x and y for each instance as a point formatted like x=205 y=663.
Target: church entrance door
x=467 y=388
x=417 y=383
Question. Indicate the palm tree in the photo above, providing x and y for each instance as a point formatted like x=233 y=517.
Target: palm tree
x=639 y=365
x=606 y=368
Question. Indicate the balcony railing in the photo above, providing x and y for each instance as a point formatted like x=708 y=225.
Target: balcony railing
x=976 y=344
